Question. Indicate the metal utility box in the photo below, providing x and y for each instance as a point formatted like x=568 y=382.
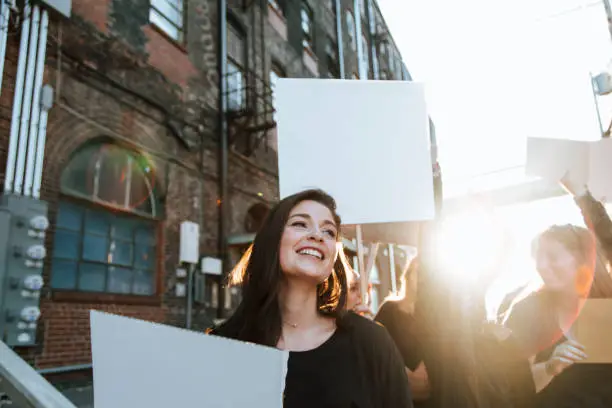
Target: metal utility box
x=22 y=253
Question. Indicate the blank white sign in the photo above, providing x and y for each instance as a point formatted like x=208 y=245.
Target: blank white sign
x=143 y=364
x=366 y=143
x=588 y=162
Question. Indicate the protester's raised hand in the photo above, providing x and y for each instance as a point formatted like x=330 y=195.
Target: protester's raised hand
x=565 y=355
x=572 y=185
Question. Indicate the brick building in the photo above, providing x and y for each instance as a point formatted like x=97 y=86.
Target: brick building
x=133 y=143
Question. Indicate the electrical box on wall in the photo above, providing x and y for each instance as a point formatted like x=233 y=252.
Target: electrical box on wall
x=190 y=243
x=23 y=222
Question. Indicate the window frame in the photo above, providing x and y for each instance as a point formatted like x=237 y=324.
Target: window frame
x=308 y=36
x=181 y=31
x=241 y=68
x=113 y=215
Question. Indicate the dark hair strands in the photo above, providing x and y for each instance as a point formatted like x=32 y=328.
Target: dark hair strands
x=257 y=318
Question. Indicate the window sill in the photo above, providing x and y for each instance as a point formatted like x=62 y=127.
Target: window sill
x=311 y=61
x=178 y=44
x=105 y=298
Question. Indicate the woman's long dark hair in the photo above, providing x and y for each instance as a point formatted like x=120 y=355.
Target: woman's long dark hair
x=258 y=317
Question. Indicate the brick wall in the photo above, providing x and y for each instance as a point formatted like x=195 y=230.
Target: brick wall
x=116 y=76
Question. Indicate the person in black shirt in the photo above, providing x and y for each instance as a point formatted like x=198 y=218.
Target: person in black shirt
x=294 y=288
x=573 y=266
x=396 y=314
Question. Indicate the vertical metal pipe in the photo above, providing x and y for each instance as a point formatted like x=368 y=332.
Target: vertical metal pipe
x=40 y=154
x=608 y=15
x=223 y=145
x=17 y=100
x=340 y=38
x=34 y=131
x=392 y=268
x=363 y=72
x=5 y=14
x=27 y=101
x=189 y=297
x=372 y=31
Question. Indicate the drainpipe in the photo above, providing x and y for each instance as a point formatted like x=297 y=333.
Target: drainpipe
x=339 y=38
x=363 y=72
x=5 y=13
x=27 y=101
x=17 y=100
x=35 y=134
x=223 y=148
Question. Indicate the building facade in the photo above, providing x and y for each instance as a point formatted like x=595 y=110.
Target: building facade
x=134 y=123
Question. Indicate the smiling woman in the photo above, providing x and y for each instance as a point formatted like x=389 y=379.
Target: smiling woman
x=294 y=286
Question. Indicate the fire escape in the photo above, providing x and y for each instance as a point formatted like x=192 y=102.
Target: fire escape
x=250 y=111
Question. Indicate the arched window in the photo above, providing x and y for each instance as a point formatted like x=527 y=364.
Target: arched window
x=106 y=230
x=350 y=28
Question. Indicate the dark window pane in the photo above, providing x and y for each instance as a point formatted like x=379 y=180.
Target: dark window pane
x=145 y=236
x=92 y=277
x=95 y=248
x=96 y=223
x=144 y=283
x=113 y=176
x=63 y=274
x=121 y=253
x=69 y=217
x=78 y=176
x=66 y=244
x=145 y=257
x=119 y=280
x=140 y=186
x=123 y=229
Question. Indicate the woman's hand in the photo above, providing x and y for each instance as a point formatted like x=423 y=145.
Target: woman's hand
x=419 y=383
x=565 y=355
x=573 y=186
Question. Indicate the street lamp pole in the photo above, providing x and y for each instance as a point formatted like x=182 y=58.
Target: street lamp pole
x=608 y=15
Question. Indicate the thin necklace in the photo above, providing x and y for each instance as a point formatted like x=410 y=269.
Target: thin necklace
x=294 y=325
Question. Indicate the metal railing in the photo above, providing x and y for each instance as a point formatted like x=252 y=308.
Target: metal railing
x=22 y=387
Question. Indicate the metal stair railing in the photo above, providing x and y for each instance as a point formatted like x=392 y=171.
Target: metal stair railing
x=22 y=387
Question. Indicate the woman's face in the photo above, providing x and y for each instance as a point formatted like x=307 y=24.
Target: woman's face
x=308 y=246
x=557 y=266
x=354 y=294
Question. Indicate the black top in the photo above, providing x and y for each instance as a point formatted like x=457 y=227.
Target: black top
x=505 y=374
x=402 y=329
x=534 y=322
x=357 y=367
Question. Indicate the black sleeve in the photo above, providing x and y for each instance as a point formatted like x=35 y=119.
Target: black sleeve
x=597 y=219
x=395 y=389
x=402 y=331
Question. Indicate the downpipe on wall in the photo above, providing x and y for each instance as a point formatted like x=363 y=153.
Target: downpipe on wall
x=29 y=118
x=5 y=14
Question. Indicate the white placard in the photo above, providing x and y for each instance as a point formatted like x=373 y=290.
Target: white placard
x=587 y=161
x=364 y=142
x=143 y=364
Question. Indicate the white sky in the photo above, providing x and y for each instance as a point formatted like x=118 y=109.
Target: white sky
x=497 y=72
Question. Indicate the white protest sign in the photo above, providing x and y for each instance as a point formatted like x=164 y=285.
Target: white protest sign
x=587 y=161
x=366 y=143
x=143 y=364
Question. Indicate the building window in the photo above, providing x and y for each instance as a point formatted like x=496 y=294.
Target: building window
x=307 y=28
x=110 y=244
x=350 y=28
x=390 y=59
x=236 y=63
x=362 y=8
x=275 y=73
x=169 y=16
